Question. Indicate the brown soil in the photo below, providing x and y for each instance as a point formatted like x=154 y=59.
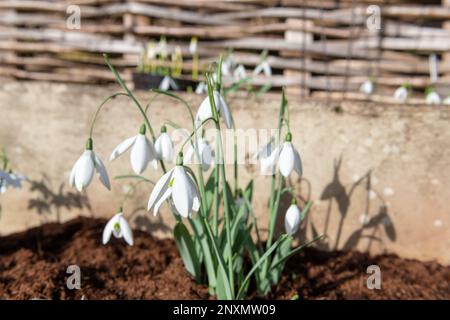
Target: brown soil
x=33 y=265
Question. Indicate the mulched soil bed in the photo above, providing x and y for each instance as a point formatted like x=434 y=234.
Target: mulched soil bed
x=33 y=266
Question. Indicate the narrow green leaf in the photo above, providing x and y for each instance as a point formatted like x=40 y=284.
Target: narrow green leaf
x=256 y=266
x=187 y=250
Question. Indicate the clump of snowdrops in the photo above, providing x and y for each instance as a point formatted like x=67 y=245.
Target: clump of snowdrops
x=216 y=228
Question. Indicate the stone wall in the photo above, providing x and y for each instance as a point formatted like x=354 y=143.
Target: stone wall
x=378 y=175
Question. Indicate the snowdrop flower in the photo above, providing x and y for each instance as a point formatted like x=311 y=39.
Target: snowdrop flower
x=164 y=146
x=142 y=152
x=168 y=83
x=267 y=158
x=119 y=227
x=202 y=88
x=264 y=66
x=205 y=153
x=433 y=98
x=85 y=167
x=179 y=188
x=204 y=111
x=292 y=219
x=239 y=73
x=286 y=156
x=227 y=65
x=367 y=87
x=193 y=45
x=401 y=94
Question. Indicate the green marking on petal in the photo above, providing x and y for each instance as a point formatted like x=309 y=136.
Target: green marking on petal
x=117 y=227
x=171 y=182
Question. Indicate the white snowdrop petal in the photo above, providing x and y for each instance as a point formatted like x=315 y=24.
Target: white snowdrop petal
x=204 y=111
x=164 y=147
x=223 y=109
x=122 y=147
x=159 y=189
x=139 y=154
x=287 y=159
x=108 y=230
x=292 y=219
x=181 y=194
x=298 y=166
x=268 y=164
x=127 y=234
x=165 y=83
x=73 y=172
x=85 y=170
x=102 y=172
x=161 y=200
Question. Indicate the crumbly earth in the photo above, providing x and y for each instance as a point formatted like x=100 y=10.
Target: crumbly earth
x=33 y=265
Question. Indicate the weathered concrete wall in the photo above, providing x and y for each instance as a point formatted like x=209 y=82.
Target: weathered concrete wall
x=390 y=163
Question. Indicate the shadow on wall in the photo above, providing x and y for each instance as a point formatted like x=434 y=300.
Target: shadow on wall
x=339 y=198
x=49 y=201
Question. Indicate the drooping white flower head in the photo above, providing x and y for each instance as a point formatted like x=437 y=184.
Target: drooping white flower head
x=367 y=87
x=292 y=219
x=142 y=151
x=264 y=66
x=164 y=146
x=239 y=73
x=168 y=83
x=286 y=156
x=205 y=153
x=85 y=167
x=119 y=227
x=267 y=158
x=179 y=188
x=204 y=111
x=401 y=94
x=433 y=98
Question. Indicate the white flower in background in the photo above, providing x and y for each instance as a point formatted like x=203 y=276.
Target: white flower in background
x=151 y=51
x=193 y=46
x=161 y=48
x=286 y=156
x=202 y=88
x=85 y=167
x=168 y=83
x=239 y=73
x=401 y=94
x=447 y=100
x=433 y=98
x=142 y=152
x=164 y=146
x=205 y=153
x=179 y=188
x=263 y=66
x=266 y=156
x=10 y=180
x=367 y=87
x=204 y=111
x=227 y=66
x=119 y=227
x=292 y=219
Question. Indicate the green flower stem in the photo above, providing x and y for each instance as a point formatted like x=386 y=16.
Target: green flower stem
x=99 y=108
x=227 y=210
x=136 y=102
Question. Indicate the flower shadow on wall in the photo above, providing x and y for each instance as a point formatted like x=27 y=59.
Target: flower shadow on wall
x=374 y=225
x=49 y=201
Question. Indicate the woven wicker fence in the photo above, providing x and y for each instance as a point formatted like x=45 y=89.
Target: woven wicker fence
x=316 y=48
